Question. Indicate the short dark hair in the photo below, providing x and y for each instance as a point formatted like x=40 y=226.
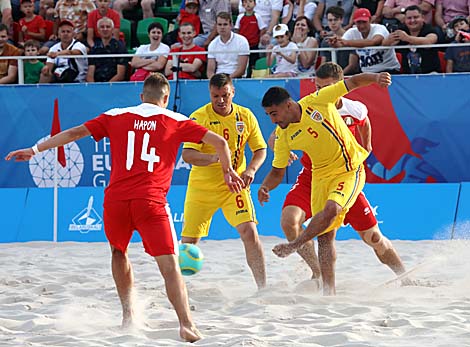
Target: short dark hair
x=311 y=28
x=32 y=43
x=225 y=15
x=156 y=86
x=220 y=80
x=336 y=11
x=330 y=69
x=275 y=96
x=3 y=27
x=155 y=25
x=413 y=8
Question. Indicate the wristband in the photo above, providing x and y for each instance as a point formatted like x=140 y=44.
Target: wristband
x=35 y=149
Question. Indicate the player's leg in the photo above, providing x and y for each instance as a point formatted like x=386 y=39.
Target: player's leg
x=118 y=228
x=163 y=246
x=327 y=259
x=362 y=219
x=254 y=252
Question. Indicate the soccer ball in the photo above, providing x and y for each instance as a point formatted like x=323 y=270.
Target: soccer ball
x=190 y=259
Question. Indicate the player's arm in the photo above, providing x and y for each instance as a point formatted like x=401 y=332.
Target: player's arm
x=365 y=133
x=383 y=79
x=257 y=160
x=233 y=181
x=194 y=157
x=270 y=182
x=58 y=140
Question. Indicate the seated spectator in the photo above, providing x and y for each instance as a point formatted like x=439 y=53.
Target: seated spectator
x=250 y=25
x=188 y=14
x=126 y=5
x=335 y=15
x=59 y=69
x=155 y=62
x=77 y=12
x=8 y=67
x=297 y=8
x=305 y=63
x=233 y=64
x=458 y=58
x=363 y=35
x=107 y=69
x=320 y=21
x=103 y=10
x=416 y=32
x=284 y=53
x=375 y=7
x=446 y=11
x=189 y=66
x=32 y=67
x=208 y=11
x=395 y=9
x=33 y=27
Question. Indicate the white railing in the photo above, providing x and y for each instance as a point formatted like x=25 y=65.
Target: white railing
x=176 y=54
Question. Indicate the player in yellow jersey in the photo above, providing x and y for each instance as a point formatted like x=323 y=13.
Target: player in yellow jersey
x=313 y=125
x=206 y=191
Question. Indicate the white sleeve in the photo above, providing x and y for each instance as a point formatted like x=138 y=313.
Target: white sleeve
x=285 y=11
x=237 y=22
x=210 y=49
x=240 y=7
x=261 y=24
x=243 y=45
x=309 y=9
x=381 y=30
x=277 y=5
x=353 y=108
x=349 y=34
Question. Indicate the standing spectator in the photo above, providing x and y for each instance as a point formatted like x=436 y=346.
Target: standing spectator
x=188 y=14
x=58 y=68
x=208 y=11
x=297 y=8
x=375 y=7
x=270 y=12
x=320 y=21
x=364 y=35
x=284 y=53
x=305 y=63
x=233 y=64
x=458 y=58
x=103 y=10
x=107 y=69
x=250 y=25
x=335 y=15
x=159 y=54
x=32 y=67
x=33 y=27
x=8 y=67
x=416 y=32
x=446 y=11
x=395 y=9
x=77 y=12
x=191 y=65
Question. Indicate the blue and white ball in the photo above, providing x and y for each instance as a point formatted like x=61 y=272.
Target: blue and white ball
x=190 y=259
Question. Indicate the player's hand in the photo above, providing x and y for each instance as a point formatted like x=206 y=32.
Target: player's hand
x=284 y=249
x=233 y=181
x=24 y=154
x=292 y=157
x=263 y=195
x=248 y=176
x=384 y=79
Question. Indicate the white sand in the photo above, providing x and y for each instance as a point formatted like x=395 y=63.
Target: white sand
x=63 y=295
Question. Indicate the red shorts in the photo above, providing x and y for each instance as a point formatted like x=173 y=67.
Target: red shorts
x=151 y=219
x=360 y=216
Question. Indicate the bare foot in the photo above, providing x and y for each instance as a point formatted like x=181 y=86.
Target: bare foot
x=190 y=334
x=127 y=319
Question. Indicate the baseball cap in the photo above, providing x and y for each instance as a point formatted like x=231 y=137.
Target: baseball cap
x=66 y=22
x=280 y=29
x=457 y=19
x=188 y=2
x=361 y=14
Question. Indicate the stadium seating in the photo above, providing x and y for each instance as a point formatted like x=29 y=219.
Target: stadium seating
x=143 y=25
x=126 y=29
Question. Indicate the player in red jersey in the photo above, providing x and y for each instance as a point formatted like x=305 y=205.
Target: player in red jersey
x=144 y=144
x=296 y=209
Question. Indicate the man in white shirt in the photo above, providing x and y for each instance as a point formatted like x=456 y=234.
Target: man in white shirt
x=235 y=63
x=363 y=35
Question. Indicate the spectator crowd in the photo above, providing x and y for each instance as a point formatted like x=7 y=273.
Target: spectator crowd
x=290 y=31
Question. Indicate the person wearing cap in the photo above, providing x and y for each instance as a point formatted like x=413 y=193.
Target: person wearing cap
x=233 y=64
x=188 y=14
x=457 y=57
x=57 y=62
x=416 y=32
x=284 y=53
x=363 y=36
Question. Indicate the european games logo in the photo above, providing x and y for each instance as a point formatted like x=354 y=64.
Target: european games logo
x=41 y=167
x=86 y=220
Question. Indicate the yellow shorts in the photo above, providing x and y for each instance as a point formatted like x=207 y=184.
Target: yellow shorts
x=200 y=206
x=343 y=189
